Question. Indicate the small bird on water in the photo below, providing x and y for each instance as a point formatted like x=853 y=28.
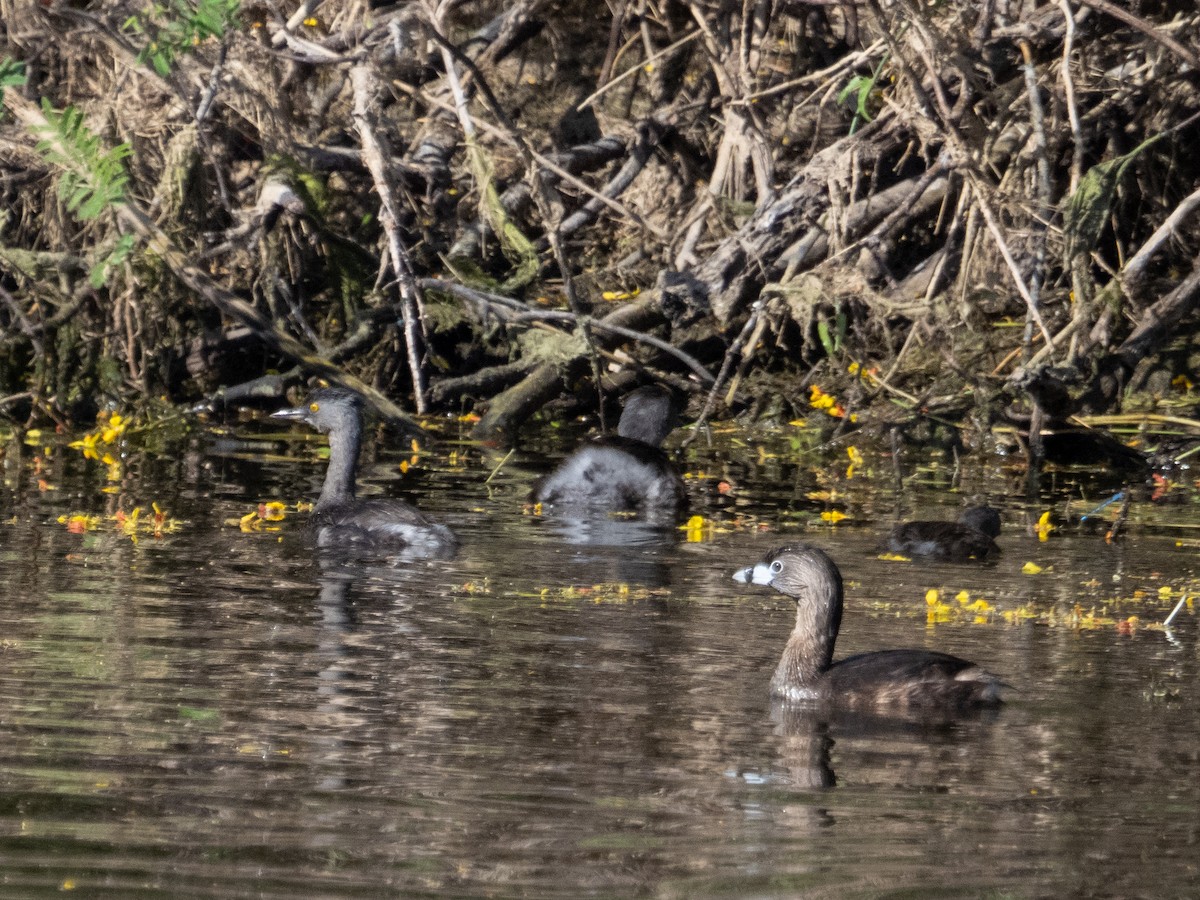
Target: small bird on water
x=878 y=681
x=339 y=517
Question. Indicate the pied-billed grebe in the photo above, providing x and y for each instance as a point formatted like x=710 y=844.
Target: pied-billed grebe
x=340 y=519
x=971 y=537
x=886 y=679
x=626 y=472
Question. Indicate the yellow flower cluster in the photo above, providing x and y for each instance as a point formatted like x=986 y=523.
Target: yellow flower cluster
x=95 y=444
x=818 y=399
x=131 y=524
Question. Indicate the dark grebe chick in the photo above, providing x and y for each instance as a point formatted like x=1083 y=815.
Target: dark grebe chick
x=628 y=471
x=340 y=519
x=895 y=679
x=971 y=537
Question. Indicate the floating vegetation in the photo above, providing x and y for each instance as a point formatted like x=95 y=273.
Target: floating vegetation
x=266 y=516
x=132 y=524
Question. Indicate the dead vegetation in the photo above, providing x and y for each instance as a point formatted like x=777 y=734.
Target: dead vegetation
x=486 y=206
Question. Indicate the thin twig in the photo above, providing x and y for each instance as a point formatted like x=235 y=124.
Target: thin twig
x=1145 y=28
x=1178 y=606
x=375 y=156
x=499 y=466
x=523 y=313
x=633 y=70
x=550 y=165
x=1037 y=120
x=756 y=310
x=1069 y=94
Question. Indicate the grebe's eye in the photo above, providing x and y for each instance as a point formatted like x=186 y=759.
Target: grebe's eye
x=776 y=567
x=313 y=407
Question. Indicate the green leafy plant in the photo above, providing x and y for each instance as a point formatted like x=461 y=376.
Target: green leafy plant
x=862 y=87
x=832 y=340
x=12 y=74
x=178 y=26
x=93 y=178
x=120 y=252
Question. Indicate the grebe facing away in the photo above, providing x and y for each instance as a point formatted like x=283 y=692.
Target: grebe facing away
x=626 y=472
x=880 y=681
x=971 y=537
x=339 y=518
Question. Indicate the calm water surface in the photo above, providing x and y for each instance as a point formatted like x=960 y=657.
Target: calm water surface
x=571 y=709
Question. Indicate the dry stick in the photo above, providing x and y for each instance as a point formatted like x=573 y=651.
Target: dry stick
x=746 y=361
x=198 y=281
x=989 y=218
x=615 y=29
x=884 y=380
x=1037 y=118
x=538 y=188
x=526 y=312
x=960 y=154
x=548 y=164
x=820 y=77
x=1145 y=28
x=633 y=70
x=375 y=156
x=1069 y=94
x=1080 y=290
x=1136 y=267
x=756 y=309
x=1178 y=606
x=304 y=11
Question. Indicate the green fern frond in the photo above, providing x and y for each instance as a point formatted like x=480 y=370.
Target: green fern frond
x=93 y=176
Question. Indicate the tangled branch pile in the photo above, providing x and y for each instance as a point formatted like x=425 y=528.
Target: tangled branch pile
x=486 y=205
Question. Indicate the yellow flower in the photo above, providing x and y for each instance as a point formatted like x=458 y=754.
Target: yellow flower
x=79 y=523
x=621 y=295
x=1043 y=526
x=935 y=610
x=115 y=428
x=818 y=399
x=855 y=460
x=833 y=516
x=88 y=445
